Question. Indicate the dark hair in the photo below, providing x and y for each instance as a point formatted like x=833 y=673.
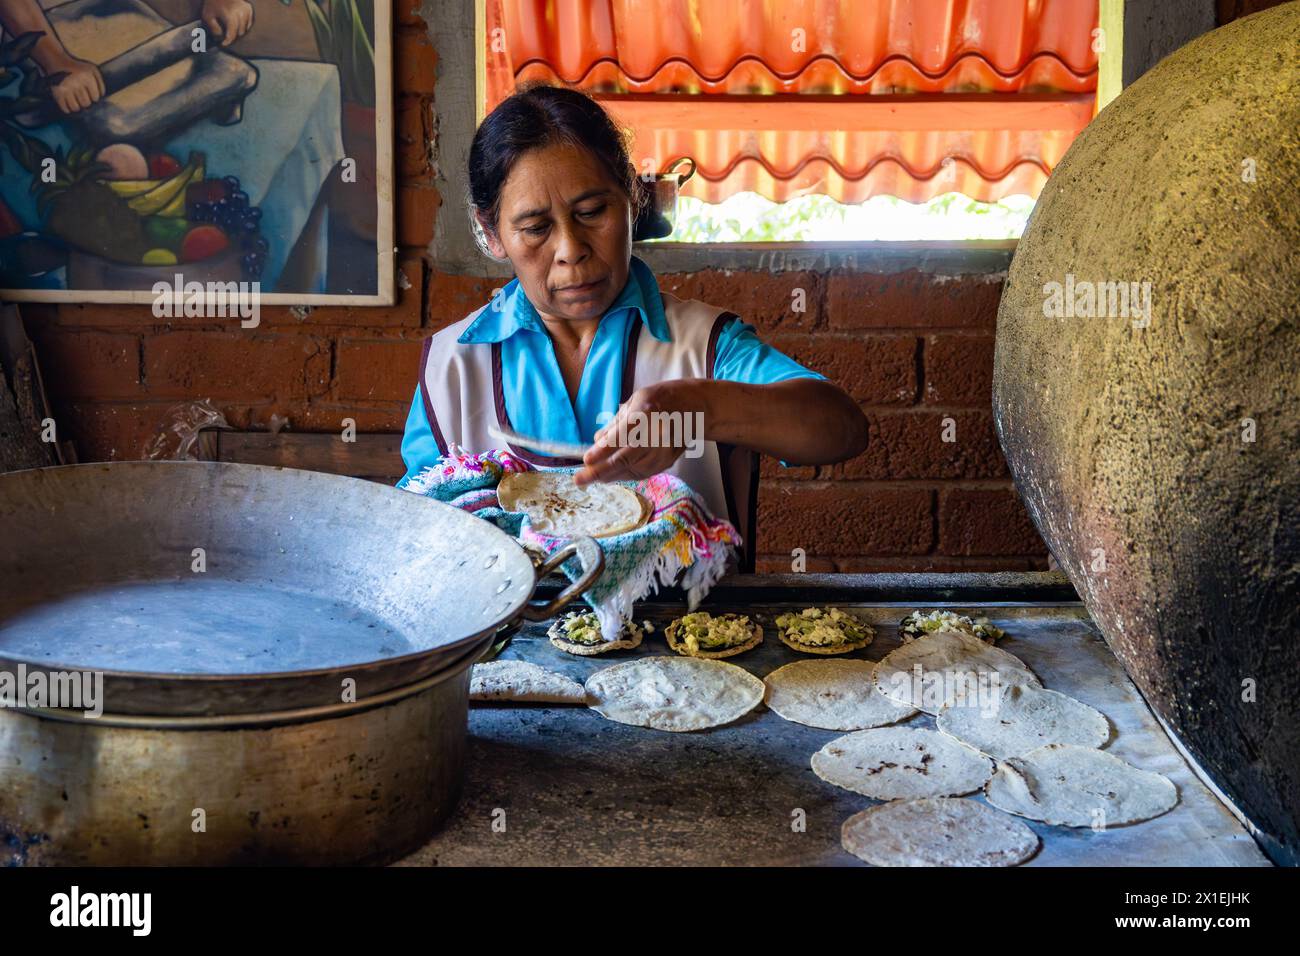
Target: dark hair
x=537 y=116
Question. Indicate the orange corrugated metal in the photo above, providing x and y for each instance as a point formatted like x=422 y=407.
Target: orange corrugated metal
x=939 y=49
x=852 y=167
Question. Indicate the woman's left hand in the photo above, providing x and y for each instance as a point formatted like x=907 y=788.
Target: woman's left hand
x=658 y=423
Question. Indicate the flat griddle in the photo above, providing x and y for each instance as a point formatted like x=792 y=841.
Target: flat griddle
x=580 y=790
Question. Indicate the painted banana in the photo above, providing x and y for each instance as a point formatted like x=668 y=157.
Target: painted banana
x=168 y=197
x=130 y=188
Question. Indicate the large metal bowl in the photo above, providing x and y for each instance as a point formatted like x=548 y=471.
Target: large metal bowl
x=210 y=588
x=285 y=660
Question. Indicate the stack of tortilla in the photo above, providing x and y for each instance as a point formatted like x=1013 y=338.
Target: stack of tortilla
x=1031 y=751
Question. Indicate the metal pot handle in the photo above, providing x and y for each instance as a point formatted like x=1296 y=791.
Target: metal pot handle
x=593 y=563
x=672 y=168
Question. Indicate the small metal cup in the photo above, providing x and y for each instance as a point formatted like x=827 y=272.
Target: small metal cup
x=659 y=211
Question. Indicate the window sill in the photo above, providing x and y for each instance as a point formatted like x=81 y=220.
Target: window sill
x=975 y=256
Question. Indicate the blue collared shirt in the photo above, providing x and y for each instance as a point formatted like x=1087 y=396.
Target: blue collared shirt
x=537 y=401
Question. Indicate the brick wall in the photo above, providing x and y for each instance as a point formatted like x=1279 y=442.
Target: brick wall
x=914 y=350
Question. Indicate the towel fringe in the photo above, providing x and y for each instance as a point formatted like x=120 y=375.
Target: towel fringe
x=698 y=575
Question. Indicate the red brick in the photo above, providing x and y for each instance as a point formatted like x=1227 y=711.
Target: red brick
x=415 y=60
x=406 y=313
x=100 y=316
x=959 y=370
x=980 y=521
x=414 y=121
x=828 y=519
x=909 y=444
x=783 y=564
x=417 y=211
x=112 y=431
x=328 y=416
x=319 y=416
x=769 y=467
x=94 y=365
x=911 y=300
x=874 y=369
x=453 y=297
x=234 y=365
x=763 y=299
x=377 y=370
x=936 y=563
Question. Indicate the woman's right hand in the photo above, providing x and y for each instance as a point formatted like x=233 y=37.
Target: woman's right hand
x=82 y=86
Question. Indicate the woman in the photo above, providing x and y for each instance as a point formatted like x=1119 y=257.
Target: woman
x=582 y=346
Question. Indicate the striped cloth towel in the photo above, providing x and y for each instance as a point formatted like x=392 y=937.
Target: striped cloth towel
x=681 y=544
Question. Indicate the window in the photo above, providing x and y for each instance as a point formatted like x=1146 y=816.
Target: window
x=821 y=120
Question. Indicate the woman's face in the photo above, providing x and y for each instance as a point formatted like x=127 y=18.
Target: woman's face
x=567 y=229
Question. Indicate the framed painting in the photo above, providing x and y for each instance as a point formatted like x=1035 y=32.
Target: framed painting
x=196 y=147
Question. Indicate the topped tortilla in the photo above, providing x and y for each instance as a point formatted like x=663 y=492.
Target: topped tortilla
x=917 y=625
x=557 y=506
x=701 y=634
x=829 y=630
x=578 y=632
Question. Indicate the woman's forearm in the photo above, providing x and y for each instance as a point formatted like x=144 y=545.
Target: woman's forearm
x=800 y=421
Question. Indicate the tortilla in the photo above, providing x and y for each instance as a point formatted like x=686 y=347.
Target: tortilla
x=1023 y=719
x=937 y=831
x=787 y=637
x=523 y=682
x=671 y=631
x=558 y=507
x=1070 y=786
x=674 y=693
x=631 y=637
x=895 y=763
x=832 y=695
x=953 y=665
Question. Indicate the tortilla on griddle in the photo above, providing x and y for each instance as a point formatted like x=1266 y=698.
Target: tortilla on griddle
x=674 y=693
x=895 y=763
x=556 y=506
x=937 y=831
x=1070 y=786
x=522 y=682
x=954 y=665
x=1023 y=719
x=832 y=695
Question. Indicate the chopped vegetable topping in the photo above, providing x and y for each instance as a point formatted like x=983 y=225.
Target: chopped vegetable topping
x=700 y=630
x=583 y=627
x=823 y=627
x=917 y=625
